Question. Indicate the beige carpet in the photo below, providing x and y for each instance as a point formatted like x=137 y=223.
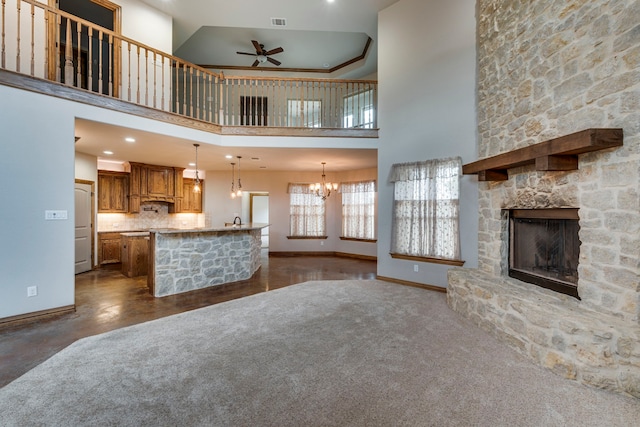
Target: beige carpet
x=330 y=353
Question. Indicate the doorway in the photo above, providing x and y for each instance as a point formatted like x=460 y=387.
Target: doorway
x=96 y=64
x=259 y=212
x=84 y=202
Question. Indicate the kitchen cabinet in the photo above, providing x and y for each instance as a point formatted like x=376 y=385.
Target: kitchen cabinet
x=153 y=183
x=113 y=191
x=108 y=248
x=134 y=253
x=191 y=202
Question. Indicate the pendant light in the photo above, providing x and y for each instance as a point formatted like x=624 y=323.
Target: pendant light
x=323 y=189
x=196 y=185
x=233 y=190
x=239 y=191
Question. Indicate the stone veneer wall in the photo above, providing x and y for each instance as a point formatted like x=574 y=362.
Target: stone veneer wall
x=196 y=260
x=548 y=69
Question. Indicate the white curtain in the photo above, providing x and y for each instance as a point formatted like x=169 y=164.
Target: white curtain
x=426 y=208
x=358 y=209
x=306 y=212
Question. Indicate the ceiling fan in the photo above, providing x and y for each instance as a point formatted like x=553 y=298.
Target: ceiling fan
x=262 y=55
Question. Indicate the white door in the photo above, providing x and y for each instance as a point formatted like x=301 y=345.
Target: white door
x=260 y=213
x=83 y=227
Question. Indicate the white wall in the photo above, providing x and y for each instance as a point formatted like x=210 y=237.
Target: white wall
x=37 y=174
x=146 y=25
x=220 y=207
x=426 y=111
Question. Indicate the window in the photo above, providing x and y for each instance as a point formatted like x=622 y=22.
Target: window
x=306 y=212
x=304 y=113
x=426 y=209
x=359 y=111
x=358 y=209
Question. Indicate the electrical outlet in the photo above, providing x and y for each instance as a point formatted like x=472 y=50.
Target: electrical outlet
x=321 y=243
x=32 y=291
x=416 y=268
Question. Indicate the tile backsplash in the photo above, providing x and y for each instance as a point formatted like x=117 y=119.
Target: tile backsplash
x=152 y=215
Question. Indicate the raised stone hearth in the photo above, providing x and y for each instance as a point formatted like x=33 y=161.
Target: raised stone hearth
x=553 y=329
x=547 y=70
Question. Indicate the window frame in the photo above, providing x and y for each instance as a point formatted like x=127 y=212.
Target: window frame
x=367 y=211
x=426 y=210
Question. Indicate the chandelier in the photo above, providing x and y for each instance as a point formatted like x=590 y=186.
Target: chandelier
x=323 y=189
x=196 y=185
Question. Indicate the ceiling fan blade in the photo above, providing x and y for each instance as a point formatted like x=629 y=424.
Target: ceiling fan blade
x=274 y=51
x=246 y=53
x=273 y=61
x=255 y=64
x=257 y=46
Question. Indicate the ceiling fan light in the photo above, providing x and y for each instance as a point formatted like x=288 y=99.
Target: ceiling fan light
x=262 y=59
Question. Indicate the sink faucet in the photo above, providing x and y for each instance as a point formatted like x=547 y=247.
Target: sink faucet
x=238 y=219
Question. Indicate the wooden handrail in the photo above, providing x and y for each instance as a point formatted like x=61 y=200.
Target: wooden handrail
x=86 y=56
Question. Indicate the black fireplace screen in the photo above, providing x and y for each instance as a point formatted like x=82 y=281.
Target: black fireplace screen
x=544 y=248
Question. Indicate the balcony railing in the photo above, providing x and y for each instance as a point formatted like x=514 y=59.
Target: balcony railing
x=47 y=43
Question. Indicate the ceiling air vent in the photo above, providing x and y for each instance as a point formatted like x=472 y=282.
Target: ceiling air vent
x=278 y=22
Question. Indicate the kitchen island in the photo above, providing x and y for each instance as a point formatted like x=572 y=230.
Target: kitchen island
x=186 y=260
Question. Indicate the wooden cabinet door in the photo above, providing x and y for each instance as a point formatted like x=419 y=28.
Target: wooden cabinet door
x=108 y=248
x=191 y=202
x=119 y=190
x=113 y=189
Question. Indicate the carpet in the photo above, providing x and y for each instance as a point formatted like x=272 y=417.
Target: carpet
x=322 y=353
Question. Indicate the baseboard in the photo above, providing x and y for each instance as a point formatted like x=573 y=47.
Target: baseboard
x=296 y=254
x=413 y=284
x=357 y=256
x=35 y=316
x=326 y=253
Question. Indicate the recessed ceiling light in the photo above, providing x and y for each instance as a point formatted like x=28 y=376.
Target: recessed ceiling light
x=107 y=152
x=192 y=164
x=255 y=158
x=228 y=156
x=129 y=139
x=326 y=65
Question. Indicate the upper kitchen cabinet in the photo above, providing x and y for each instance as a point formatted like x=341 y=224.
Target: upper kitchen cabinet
x=153 y=183
x=191 y=201
x=113 y=189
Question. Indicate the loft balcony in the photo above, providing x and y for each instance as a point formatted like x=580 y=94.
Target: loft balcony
x=50 y=51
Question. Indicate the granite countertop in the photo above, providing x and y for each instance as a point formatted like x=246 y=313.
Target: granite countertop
x=135 y=234
x=230 y=228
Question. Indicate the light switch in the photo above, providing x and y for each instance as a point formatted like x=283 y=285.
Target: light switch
x=53 y=215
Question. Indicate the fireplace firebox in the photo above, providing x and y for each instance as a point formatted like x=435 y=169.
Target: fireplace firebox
x=544 y=248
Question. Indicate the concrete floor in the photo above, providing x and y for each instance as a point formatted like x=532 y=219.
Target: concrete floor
x=107 y=300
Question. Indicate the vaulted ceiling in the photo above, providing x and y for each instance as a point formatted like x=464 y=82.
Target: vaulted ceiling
x=210 y=32
x=318 y=35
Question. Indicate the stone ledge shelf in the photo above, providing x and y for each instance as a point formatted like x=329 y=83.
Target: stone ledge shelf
x=558 y=154
x=186 y=260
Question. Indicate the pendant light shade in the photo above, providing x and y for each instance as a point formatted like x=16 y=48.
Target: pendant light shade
x=239 y=190
x=196 y=185
x=233 y=190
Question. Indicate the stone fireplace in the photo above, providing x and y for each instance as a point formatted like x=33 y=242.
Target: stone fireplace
x=544 y=248
x=546 y=71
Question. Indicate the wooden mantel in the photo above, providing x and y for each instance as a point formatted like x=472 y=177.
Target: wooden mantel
x=558 y=154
